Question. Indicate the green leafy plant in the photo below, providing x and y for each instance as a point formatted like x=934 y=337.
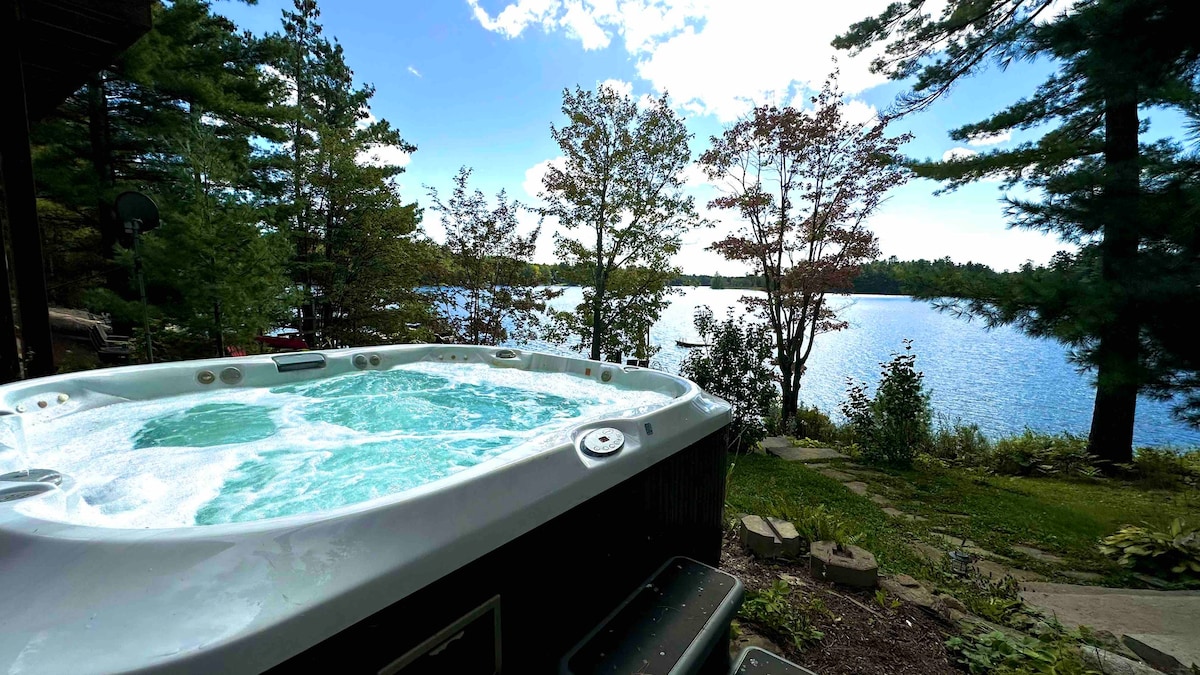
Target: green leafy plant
x=812 y=423
x=998 y=653
x=957 y=444
x=1172 y=554
x=817 y=523
x=896 y=423
x=1164 y=468
x=735 y=367
x=783 y=616
x=884 y=600
x=1035 y=454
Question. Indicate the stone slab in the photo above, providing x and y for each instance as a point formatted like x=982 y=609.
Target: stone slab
x=1037 y=554
x=897 y=513
x=880 y=500
x=857 y=487
x=1170 y=619
x=1165 y=652
x=996 y=571
x=1083 y=576
x=793 y=454
x=839 y=476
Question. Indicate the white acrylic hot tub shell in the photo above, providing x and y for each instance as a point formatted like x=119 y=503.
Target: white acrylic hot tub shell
x=242 y=597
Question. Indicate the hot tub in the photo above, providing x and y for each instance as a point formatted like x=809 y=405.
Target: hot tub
x=394 y=509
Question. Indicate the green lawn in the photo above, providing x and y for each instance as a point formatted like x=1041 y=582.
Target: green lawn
x=1062 y=517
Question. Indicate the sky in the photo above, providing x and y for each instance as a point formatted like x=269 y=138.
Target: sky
x=478 y=83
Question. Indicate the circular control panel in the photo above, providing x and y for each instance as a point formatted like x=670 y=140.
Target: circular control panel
x=604 y=442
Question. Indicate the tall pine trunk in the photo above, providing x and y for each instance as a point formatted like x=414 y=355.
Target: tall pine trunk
x=1111 y=436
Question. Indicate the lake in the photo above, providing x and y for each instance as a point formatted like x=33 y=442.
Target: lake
x=1001 y=379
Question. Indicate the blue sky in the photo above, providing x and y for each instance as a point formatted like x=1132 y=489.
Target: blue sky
x=479 y=82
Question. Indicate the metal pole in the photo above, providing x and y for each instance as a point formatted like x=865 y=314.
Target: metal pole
x=136 y=225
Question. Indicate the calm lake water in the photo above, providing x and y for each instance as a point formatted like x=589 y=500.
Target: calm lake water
x=1001 y=379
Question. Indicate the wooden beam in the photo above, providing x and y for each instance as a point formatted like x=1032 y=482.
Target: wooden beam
x=20 y=202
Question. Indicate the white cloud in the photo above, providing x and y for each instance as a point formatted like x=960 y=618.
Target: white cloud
x=384 y=155
x=414 y=71
x=990 y=139
x=860 y=112
x=619 y=86
x=715 y=57
x=534 y=174
x=957 y=153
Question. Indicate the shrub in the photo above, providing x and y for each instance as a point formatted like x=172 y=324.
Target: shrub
x=735 y=367
x=1172 y=554
x=1037 y=454
x=1165 y=468
x=998 y=653
x=958 y=444
x=812 y=423
x=780 y=617
x=896 y=423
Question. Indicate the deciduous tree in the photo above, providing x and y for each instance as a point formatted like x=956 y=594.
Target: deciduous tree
x=620 y=186
x=490 y=291
x=803 y=182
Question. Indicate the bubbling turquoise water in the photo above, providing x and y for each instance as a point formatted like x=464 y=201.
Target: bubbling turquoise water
x=238 y=455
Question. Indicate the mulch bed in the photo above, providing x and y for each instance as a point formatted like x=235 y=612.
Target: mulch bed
x=861 y=638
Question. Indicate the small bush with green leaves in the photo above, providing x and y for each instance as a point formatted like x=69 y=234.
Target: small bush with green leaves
x=812 y=423
x=735 y=367
x=998 y=653
x=957 y=444
x=1165 y=468
x=784 y=617
x=1172 y=554
x=1063 y=455
x=895 y=424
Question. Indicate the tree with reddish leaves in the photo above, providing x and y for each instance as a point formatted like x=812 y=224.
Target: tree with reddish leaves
x=803 y=182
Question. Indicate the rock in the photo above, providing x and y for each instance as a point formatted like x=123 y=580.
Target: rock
x=836 y=475
x=851 y=566
x=950 y=602
x=789 y=538
x=794 y=454
x=1113 y=664
x=857 y=487
x=907 y=589
x=1157 y=650
x=1038 y=554
x=880 y=500
x=756 y=534
x=775 y=442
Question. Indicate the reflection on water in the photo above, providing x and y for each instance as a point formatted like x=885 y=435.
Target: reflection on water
x=1001 y=380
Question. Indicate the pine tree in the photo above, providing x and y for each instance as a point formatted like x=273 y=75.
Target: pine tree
x=359 y=251
x=1126 y=205
x=182 y=116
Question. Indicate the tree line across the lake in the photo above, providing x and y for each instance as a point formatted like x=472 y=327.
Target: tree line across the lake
x=281 y=206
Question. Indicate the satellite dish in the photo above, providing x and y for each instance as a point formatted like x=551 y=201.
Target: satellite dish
x=133 y=206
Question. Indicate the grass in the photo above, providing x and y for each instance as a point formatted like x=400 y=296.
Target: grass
x=1063 y=517
x=768 y=486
